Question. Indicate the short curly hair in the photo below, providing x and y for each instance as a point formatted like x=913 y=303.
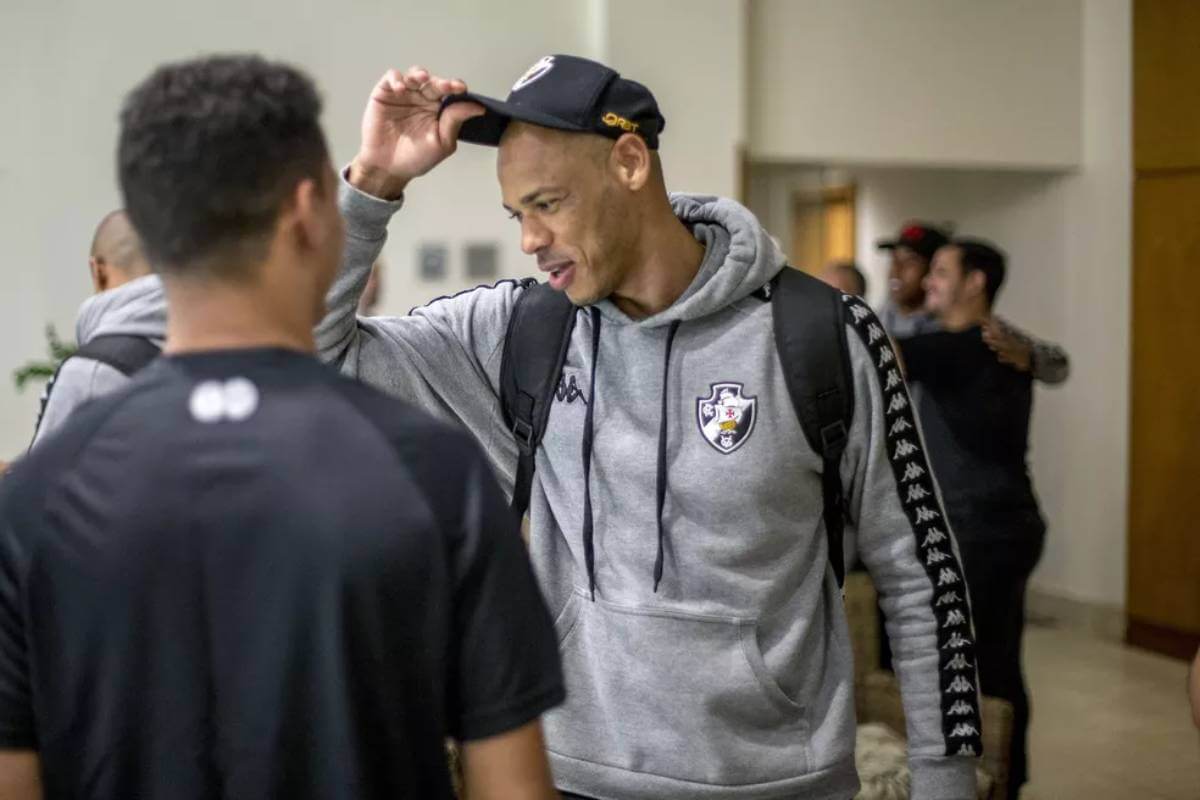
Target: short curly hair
x=209 y=151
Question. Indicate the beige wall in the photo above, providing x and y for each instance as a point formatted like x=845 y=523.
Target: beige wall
x=952 y=82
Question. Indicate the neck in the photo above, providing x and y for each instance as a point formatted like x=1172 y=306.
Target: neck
x=908 y=309
x=665 y=264
x=961 y=317
x=213 y=315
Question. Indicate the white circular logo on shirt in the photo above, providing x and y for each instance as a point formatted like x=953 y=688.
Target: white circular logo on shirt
x=208 y=402
x=235 y=400
x=241 y=399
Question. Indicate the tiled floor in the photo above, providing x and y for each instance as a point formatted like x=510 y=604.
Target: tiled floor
x=1110 y=722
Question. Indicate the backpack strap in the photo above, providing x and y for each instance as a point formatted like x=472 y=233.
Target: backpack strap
x=125 y=353
x=535 y=347
x=810 y=335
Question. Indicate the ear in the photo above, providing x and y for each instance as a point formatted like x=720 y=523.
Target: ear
x=99 y=272
x=632 y=161
x=976 y=283
x=303 y=215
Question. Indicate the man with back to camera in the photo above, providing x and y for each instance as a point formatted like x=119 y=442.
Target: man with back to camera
x=118 y=329
x=245 y=576
x=703 y=635
x=905 y=314
x=685 y=558
x=975 y=414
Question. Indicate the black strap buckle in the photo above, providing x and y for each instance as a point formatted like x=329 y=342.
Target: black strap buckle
x=833 y=435
x=522 y=431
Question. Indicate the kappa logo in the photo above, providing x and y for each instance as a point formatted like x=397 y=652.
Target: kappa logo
x=961 y=708
x=537 y=71
x=916 y=492
x=957 y=641
x=959 y=662
x=967 y=750
x=898 y=403
x=912 y=472
x=726 y=417
x=955 y=617
x=568 y=391
x=886 y=356
x=963 y=730
x=936 y=556
x=961 y=685
x=934 y=536
x=947 y=576
x=904 y=449
x=926 y=514
x=949 y=598
x=874 y=333
x=893 y=379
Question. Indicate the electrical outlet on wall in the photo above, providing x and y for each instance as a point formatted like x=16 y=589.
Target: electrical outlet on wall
x=482 y=260
x=431 y=261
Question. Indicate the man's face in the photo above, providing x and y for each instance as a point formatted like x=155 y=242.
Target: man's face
x=573 y=216
x=945 y=285
x=904 y=279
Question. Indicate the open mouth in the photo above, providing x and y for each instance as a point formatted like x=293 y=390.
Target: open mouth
x=561 y=274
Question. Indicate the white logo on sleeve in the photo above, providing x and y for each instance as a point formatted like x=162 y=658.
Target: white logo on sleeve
x=234 y=400
x=538 y=70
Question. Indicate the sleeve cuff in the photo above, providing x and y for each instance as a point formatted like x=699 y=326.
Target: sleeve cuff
x=949 y=778
x=366 y=216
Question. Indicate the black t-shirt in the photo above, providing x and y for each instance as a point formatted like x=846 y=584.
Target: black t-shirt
x=975 y=411
x=245 y=576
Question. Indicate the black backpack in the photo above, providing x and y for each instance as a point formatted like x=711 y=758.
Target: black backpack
x=810 y=334
x=126 y=353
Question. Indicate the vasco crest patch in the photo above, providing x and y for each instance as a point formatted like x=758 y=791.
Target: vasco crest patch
x=726 y=417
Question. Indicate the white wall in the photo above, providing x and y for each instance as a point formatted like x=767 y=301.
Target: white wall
x=948 y=82
x=691 y=53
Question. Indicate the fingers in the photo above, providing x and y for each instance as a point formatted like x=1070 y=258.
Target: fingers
x=453 y=117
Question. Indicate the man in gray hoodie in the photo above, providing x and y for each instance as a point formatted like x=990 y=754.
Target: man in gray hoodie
x=704 y=641
x=127 y=302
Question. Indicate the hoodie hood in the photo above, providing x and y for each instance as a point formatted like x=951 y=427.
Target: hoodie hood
x=740 y=257
x=135 y=308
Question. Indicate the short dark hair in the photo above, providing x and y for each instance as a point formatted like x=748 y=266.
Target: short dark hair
x=856 y=274
x=978 y=255
x=209 y=151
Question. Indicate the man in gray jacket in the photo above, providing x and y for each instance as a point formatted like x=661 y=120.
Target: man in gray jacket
x=702 y=631
x=127 y=303
x=727 y=673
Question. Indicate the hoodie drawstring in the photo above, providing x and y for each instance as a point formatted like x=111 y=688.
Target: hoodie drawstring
x=661 y=480
x=589 y=552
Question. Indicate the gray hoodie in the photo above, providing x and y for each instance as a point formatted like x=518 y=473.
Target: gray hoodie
x=732 y=677
x=135 y=308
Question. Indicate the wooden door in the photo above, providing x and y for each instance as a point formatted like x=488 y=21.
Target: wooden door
x=1164 y=479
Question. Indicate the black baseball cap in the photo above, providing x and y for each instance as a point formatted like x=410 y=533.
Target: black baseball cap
x=568 y=93
x=918 y=236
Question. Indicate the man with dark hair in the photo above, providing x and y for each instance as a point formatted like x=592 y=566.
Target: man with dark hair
x=124 y=317
x=905 y=313
x=245 y=576
x=975 y=414
x=846 y=276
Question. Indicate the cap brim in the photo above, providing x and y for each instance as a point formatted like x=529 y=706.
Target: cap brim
x=488 y=128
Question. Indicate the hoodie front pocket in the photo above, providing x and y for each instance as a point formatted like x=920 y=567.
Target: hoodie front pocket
x=675 y=695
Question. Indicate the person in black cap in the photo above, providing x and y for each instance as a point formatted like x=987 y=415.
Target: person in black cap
x=904 y=314
x=676 y=512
